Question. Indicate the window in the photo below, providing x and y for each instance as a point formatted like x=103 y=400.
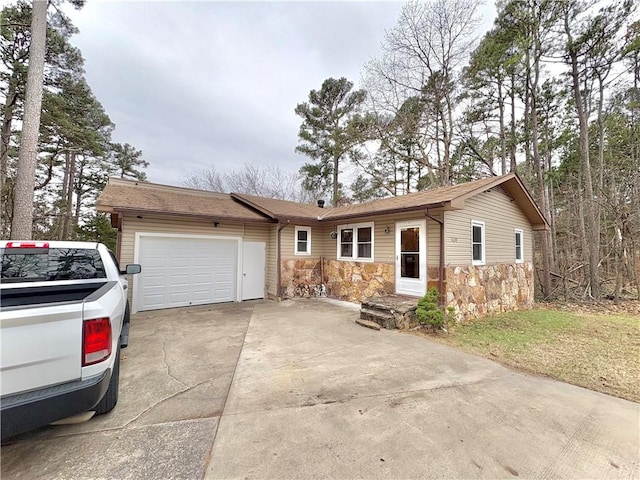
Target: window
x=52 y=264
x=355 y=242
x=477 y=242
x=303 y=241
x=519 y=249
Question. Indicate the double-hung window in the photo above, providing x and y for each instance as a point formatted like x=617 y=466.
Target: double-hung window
x=477 y=243
x=355 y=242
x=519 y=246
x=303 y=241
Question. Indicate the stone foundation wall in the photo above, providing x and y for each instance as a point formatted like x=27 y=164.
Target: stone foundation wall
x=477 y=291
x=350 y=281
x=356 y=281
x=472 y=292
x=300 y=278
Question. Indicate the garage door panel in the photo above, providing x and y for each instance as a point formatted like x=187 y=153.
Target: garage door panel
x=179 y=300
x=186 y=271
x=223 y=296
x=154 y=281
x=179 y=279
x=202 y=279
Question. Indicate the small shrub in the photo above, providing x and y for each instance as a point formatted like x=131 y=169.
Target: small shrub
x=428 y=312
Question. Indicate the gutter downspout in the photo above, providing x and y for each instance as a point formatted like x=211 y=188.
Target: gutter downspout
x=278 y=266
x=441 y=267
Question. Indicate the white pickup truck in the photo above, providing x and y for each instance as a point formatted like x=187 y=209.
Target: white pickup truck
x=63 y=321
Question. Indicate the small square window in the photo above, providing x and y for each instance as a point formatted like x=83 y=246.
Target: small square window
x=303 y=241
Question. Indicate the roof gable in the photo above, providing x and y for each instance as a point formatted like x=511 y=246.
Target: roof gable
x=450 y=197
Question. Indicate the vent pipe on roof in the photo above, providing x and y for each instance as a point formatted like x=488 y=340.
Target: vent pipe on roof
x=321 y=203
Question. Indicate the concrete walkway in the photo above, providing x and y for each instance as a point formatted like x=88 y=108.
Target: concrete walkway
x=297 y=390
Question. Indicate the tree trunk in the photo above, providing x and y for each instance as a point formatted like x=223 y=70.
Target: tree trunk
x=79 y=190
x=512 y=141
x=448 y=133
x=22 y=224
x=538 y=163
x=5 y=134
x=335 y=181
x=503 y=141
x=592 y=219
x=550 y=195
x=69 y=174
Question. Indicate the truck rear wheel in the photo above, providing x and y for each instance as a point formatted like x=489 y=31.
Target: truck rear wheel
x=111 y=396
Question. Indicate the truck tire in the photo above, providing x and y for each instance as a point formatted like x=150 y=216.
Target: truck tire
x=111 y=396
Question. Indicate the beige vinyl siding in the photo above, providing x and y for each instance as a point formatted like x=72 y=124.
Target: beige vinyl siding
x=320 y=242
x=384 y=243
x=324 y=246
x=501 y=217
x=287 y=242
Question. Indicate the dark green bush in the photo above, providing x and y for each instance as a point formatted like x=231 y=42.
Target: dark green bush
x=428 y=312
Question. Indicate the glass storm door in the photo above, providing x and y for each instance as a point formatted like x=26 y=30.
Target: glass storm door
x=411 y=257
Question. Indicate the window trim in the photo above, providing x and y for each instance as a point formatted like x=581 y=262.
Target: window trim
x=354 y=251
x=521 y=232
x=296 y=240
x=483 y=260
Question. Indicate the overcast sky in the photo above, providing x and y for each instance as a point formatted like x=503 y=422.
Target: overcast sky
x=214 y=84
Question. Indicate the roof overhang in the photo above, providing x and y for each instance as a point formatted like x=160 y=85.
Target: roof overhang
x=161 y=213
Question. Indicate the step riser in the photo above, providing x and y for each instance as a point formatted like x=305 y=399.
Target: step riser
x=387 y=308
x=386 y=321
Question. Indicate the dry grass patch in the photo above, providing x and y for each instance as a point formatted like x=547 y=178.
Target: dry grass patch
x=597 y=351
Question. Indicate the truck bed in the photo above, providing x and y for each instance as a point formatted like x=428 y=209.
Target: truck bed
x=24 y=297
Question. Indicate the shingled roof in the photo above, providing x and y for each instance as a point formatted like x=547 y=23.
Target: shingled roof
x=126 y=195
x=121 y=195
x=281 y=209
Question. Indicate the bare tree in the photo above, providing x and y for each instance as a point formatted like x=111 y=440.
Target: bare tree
x=22 y=223
x=423 y=56
x=264 y=181
x=205 y=179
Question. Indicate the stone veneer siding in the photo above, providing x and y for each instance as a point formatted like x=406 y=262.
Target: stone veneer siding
x=473 y=291
x=350 y=281
x=477 y=291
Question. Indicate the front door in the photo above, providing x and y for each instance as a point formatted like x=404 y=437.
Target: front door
x=411 y=257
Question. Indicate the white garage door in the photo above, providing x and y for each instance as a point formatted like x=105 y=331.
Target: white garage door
x=178 y=272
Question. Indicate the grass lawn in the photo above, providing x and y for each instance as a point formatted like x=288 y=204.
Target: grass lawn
x=597 y=351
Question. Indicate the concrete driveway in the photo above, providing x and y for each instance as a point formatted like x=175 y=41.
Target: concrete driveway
x=312 y=395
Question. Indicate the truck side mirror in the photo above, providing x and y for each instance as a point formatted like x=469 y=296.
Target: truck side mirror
x=133 y=269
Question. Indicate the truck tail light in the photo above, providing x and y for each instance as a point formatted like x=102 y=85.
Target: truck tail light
x=96 y=340
x=27 y=244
